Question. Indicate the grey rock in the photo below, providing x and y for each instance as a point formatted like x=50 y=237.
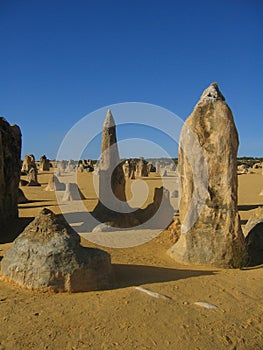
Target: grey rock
x=48 y=256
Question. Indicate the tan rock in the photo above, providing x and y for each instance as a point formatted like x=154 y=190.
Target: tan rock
x=44 y=163
x=211 y=232
x=175 y=230
x=110 y=175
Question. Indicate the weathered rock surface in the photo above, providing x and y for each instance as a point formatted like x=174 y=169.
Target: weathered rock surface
x=28 y=163
x=32 y=177
x=141 y=168
x=48 y=256
x=253 y=232
x=110 y=168
x=111 y=179
x=158 y=214
x=10 y=154
x=175 y=230
x=210 y=232
x=44 y=163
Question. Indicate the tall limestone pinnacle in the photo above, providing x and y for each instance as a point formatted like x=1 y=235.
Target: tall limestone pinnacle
x=210 y=225
x=109 y=121
x=110 y=173
x=109 y=148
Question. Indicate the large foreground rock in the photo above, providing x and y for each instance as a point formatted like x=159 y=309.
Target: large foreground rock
x=48 y=256
x=10 y=153
x=210 y=232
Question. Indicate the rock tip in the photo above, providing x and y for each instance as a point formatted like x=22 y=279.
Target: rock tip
x=109 y=120
x=212 y=93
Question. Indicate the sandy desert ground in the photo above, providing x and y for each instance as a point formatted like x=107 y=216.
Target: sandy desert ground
x=125 y=318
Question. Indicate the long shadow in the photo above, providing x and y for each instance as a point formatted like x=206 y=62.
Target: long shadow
x=36 y=206
x=248 y=207
x=158 y=178
x=10 y=232
x=134 y=275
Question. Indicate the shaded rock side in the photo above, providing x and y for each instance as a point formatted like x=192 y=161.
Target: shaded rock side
x=48 y=256
x=21 y=197
x=210 y=232
x=10 y=154
x=253 y=232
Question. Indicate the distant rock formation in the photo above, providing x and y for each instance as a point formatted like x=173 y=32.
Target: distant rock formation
x=142 y=169
x=111 y=179
x=210 y=232
x=44 y=163
x=54 y=184
x=72 y=193
x=48 y=256
x=10 y=155
x=28 y=163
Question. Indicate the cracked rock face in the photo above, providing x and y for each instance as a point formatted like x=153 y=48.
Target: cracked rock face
x=210 y=232
x=48 y=256
x=10 y=152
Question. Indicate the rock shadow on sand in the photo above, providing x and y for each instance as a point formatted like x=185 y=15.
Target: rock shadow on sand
x=135 y=275
x=248 y=207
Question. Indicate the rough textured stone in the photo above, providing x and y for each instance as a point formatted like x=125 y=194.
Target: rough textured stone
x=141 y=168
x=211 y=232
x=109 y=165
x=110 y=176
x=254 y=241
x=48 y=256
x=175 y=230
x=160 y=212
x=10 y=154
x=253 y=232
x=254 y=219
x=32 y=176
x=44 y=163
x=28 y=163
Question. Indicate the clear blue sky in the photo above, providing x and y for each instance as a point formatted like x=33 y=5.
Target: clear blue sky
x=61 y=60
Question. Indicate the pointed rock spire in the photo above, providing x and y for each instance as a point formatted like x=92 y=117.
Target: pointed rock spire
x=109 y=147
x=110 y=173
x=211 y=232
x=109 y=120
x=212 y=93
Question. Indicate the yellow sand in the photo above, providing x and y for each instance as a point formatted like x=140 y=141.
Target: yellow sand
x=125 y=318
